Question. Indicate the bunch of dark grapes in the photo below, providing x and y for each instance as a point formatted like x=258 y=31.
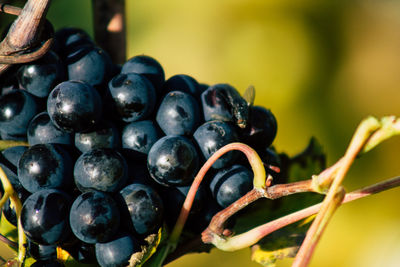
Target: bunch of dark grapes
x=114 y=149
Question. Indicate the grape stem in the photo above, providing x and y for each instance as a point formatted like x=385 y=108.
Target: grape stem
x=23 y=34
x=256 y=234
x=9 y=193
x=9 y=9
x=336 y=193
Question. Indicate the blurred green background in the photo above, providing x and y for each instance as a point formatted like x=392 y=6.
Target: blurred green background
x=321 y=66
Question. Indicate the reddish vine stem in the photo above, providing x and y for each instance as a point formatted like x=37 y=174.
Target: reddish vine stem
x=216 y=225
x=256 y=234
x=8 y=242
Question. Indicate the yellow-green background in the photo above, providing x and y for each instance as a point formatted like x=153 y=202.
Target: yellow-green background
x=321 y=66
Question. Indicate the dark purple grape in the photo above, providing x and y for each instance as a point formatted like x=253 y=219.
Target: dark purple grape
x=213 y=135
x=147 y=66
x=82 y=252
x=101 y=169
x=230 y=184
x=8 y=81
x=40 y=77
x=183 y=83
x=9 y=163
x=45 y=166
x=262 y=128
x=42 y=252
x=44 y=217
x=74 y=106
x=173 y=161
x=178 y=114
x=118 y=251
x=140 y=135
x=223 y=102
x=94 y=217
x=17 y=108
x=104 y=135
x=137 y=168
x=41 y=130
x=133 y=96
x=90 y=64
x=66 y=39
x=145 y=208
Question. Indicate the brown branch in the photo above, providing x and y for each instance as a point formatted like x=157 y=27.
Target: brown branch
x=24 y=33
x=9 y=9
x=216 y=226
x=109 y=27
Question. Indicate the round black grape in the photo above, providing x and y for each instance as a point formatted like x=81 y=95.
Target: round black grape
x=66 y=39
x=100 y=169
x=42 y=252
x=262 y=128
x=74 y=106
x=133 y=96
x=94 y=217
x=223 y=102
x=140 y=135
x=41 y=130
x=230 y=184
x=145 y=208
x=213 y=135
x=40 y=77
x=183 y=83
x=45 y=166
x=178 y=114
x=88 y=63
x=104 y=135
x=147 y=66
x=17 y=108
x=118 y=251
x=44 y=217
x=173 y=160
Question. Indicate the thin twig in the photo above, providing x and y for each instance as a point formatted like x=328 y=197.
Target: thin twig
x=256 y=234
x=9 y=9
x=25 y=31
x=216 y=226
x=333 y=198
x=8 y=242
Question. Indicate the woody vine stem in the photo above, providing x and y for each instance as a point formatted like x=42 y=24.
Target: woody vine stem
x=24 y=43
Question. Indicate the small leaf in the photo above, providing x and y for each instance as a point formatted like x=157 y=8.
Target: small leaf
x=8 y=230
x=281 y=244
x=152 y=243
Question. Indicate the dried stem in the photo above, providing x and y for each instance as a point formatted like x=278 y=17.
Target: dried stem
x=256 y=234
x=24 y=32
x=16 y=202
x=9 y=9
x=333 y=198
x=216 y=226
x=109 y=27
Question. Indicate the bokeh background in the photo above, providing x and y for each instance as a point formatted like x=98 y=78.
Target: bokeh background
x=321 y=66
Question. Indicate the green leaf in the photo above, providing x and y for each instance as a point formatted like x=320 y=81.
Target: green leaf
x=152 y=243
x=281 y=244
x=8 y=230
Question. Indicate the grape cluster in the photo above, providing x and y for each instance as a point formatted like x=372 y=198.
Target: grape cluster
x=114 y=149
